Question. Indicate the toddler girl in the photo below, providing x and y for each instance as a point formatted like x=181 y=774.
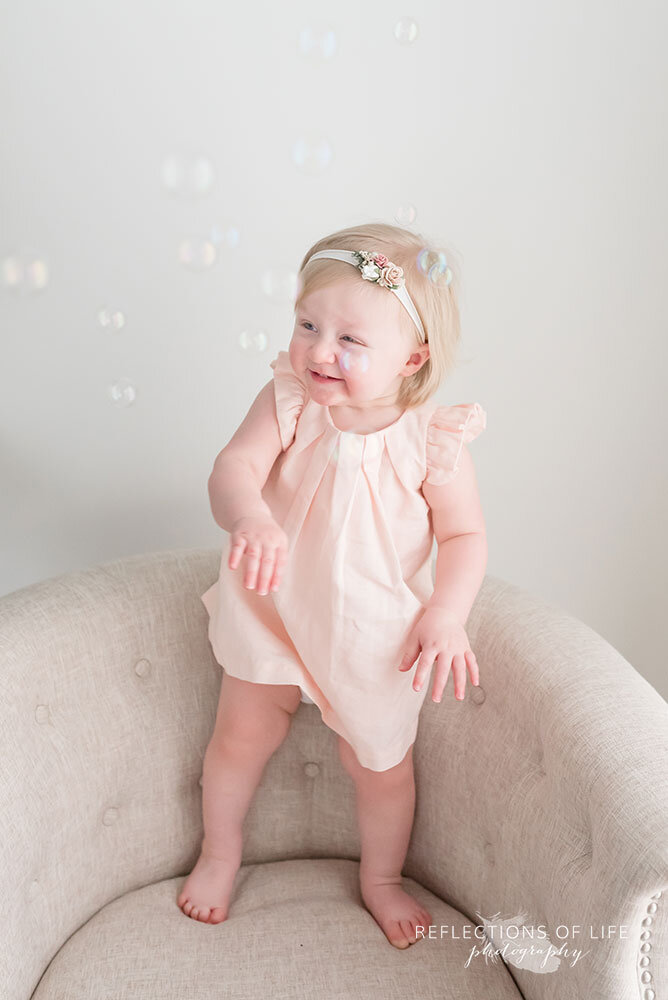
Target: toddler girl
x=332 y=490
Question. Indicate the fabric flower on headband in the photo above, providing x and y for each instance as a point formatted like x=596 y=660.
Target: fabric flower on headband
x=377 y=268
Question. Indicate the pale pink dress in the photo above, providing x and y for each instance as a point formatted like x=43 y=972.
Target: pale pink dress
x=358 y=573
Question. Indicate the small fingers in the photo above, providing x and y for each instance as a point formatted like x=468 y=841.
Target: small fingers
x=472 y=664
x=442 y=672
x=281 y=560
x=253 y=553
x=236 y=551
x=267 y=564
x=459 y=675
x=425 y=663
x=411 y=655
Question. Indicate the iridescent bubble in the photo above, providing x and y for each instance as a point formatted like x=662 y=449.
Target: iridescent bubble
x=186 y=175
x=312 y=153
x=317 y=42
x=197 y=253
x=228 y=236
x=405 y=214
x=111 y=318
x=280 y=285
x=122 y=393
x=406 y=30
x=253 y=341
x=354 y=362
x=25 y=273
x=434 y=264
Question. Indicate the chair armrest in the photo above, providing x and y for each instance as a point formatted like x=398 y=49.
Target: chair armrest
x=545 y=792
x=108 y=693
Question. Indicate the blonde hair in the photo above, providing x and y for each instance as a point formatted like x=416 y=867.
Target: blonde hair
x=435 y=302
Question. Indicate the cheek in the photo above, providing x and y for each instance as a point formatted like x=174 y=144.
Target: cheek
x=355 y=363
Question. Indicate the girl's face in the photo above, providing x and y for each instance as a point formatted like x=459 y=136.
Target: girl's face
x=352 y=333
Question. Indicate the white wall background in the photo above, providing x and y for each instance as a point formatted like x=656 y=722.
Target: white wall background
x=529 y=137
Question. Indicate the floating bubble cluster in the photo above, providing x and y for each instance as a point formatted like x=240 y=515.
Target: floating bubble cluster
x=434 y=264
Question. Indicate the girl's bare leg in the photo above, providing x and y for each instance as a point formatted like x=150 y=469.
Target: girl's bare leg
x=385 y=810
x=251 y=723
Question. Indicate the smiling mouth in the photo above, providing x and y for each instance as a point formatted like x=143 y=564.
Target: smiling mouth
x=323 y=378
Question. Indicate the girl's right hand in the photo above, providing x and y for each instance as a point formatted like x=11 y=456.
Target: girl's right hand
x=266 y=547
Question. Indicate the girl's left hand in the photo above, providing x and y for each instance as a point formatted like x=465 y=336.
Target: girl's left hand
x=438 y=636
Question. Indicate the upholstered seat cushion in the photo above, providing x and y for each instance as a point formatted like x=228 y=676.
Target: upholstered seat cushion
x=296 y=929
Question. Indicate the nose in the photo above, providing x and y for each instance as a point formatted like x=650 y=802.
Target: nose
x=320 y=354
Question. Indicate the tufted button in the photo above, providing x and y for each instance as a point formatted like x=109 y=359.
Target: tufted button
x=42 y=714
x=311 y=769
x=34 y=888
x=142 y=667
x=477 y=694
x=110 y=816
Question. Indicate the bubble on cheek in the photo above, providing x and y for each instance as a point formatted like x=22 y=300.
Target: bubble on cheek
x=355 y=362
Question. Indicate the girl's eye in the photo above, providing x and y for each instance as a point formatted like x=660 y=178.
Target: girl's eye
x=346 y=336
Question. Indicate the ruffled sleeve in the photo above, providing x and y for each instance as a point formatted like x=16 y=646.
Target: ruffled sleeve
x=289 y=392
x=448 y=430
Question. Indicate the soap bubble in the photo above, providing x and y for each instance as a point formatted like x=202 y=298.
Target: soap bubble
x=354 y=361
x=185 y=175
x=197 y=253
x=406 y=30
x=111 y=318
x=317 y=42
x=228 y=236
x=405 y=215
x=25 y=273
x=122 y=393
x=253 y=341
x=279 y=285
x=312 y=153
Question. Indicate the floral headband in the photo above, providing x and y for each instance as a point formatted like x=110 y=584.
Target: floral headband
x=376 y=267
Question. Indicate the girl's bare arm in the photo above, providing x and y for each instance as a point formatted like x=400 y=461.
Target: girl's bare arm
x=242 y=467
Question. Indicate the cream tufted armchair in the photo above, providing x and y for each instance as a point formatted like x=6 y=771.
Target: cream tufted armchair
x=541 y=797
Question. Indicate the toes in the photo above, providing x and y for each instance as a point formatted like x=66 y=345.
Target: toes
x=187 y=907
x=397 y=935
x=409 y=930
x=203 y=914
x=217 y=915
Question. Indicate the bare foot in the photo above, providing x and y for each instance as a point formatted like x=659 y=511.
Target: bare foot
x=206 y=893
x=397 y=913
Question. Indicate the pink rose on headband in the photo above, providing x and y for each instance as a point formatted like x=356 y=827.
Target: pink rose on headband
x=392 y=275
x=380 y=259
